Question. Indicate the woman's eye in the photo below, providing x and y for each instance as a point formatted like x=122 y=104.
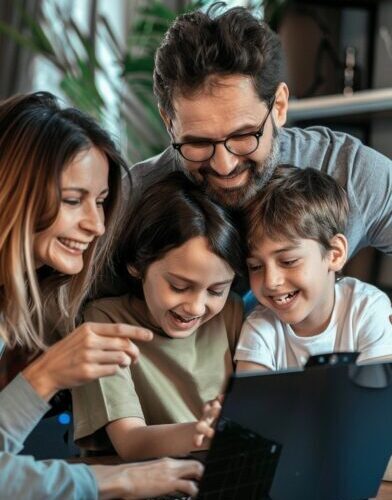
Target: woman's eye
x=71 y=201
x=101 y=202
x=216 y=293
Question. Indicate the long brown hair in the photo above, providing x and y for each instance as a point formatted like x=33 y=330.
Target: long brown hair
x=38 y=140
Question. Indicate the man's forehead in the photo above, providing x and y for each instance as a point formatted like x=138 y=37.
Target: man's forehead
x=220 y=87
x=221 y=107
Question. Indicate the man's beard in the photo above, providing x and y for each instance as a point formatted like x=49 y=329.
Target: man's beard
x=259 y=175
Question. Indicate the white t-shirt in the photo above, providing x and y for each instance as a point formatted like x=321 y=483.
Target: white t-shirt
x=359 y=322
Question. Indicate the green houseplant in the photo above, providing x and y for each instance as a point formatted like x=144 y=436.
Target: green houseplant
x=57 y=38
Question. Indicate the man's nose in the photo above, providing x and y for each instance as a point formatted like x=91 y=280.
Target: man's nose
x=223 y=162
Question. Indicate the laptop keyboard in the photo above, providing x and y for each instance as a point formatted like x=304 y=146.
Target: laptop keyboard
x=240 y=465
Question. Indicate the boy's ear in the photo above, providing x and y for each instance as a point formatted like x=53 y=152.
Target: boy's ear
x=338 y=252
x=133 y=271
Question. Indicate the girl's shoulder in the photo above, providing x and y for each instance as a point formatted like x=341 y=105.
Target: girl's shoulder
x=111 y=309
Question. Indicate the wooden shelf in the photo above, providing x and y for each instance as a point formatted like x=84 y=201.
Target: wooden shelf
x=359 y=103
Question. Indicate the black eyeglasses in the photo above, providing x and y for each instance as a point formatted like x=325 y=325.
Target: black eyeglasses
x=237 y=144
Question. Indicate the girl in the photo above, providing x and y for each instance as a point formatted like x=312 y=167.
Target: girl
x=181 y=252
x=60 y=183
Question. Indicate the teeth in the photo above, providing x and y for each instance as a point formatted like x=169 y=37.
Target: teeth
x=283 y=299
x=75 y=245
x=177 y=316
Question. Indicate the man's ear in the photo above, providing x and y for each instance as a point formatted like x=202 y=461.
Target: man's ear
x=166 y=119
x=281 y=104
x=133 y=271
x=337 y=255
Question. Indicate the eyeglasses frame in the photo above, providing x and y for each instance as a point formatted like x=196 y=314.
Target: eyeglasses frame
x=257 y=134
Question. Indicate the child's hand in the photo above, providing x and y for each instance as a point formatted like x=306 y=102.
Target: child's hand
x=204 y=427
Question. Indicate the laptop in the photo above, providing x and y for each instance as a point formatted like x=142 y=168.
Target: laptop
x=322 y=433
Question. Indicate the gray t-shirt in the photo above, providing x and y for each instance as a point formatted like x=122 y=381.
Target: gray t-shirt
x=364 y=173
x=21 y=476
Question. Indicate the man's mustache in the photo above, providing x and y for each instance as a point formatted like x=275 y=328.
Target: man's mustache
x=239 y=169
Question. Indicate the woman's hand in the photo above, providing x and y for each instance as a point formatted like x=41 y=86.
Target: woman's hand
x=148 y=479
x=91 y=351
x=204 y=427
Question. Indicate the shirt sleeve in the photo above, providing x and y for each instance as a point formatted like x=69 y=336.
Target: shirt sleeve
x=21 y=409
x=375 y=329
x=257 y=342
x=24 y=477
x=369 y=188
x=102 y=401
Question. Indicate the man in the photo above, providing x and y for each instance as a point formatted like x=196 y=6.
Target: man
x=218 y=79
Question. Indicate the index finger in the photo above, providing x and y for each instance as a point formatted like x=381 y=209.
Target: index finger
x=122 y=330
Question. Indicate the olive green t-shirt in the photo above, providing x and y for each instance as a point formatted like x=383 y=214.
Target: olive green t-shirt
x=171 y=381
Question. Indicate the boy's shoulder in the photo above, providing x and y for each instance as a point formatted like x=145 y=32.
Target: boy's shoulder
x=359 y=291
x=262 y=318
x=358 y=300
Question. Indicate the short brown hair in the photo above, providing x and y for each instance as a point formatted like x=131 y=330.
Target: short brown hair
x=199 y=45
x=297 y=203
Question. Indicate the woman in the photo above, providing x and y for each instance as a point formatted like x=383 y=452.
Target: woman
x=60 y=178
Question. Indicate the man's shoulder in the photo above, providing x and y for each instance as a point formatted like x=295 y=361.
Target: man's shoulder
x=336 y=153
x=317 y=137
x=154 y=168
x=318 y=132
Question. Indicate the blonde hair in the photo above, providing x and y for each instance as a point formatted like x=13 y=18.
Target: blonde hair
x=38 y=140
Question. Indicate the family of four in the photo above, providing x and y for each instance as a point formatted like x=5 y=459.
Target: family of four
x=235 y=195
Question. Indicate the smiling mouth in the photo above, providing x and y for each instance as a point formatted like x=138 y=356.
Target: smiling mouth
x=73 y=244
x=232 y=180
x=284 y=299
x=184 y=320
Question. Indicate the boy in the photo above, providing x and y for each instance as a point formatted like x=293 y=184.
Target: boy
x=296 y=245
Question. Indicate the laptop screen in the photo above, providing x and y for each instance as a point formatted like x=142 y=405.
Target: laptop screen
x=322 y=433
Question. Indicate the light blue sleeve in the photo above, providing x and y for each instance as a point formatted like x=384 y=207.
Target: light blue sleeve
x=20 y=411
x=24 y=477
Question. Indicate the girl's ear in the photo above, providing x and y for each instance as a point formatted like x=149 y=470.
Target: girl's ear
x=133 y=271
x=338 y=252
